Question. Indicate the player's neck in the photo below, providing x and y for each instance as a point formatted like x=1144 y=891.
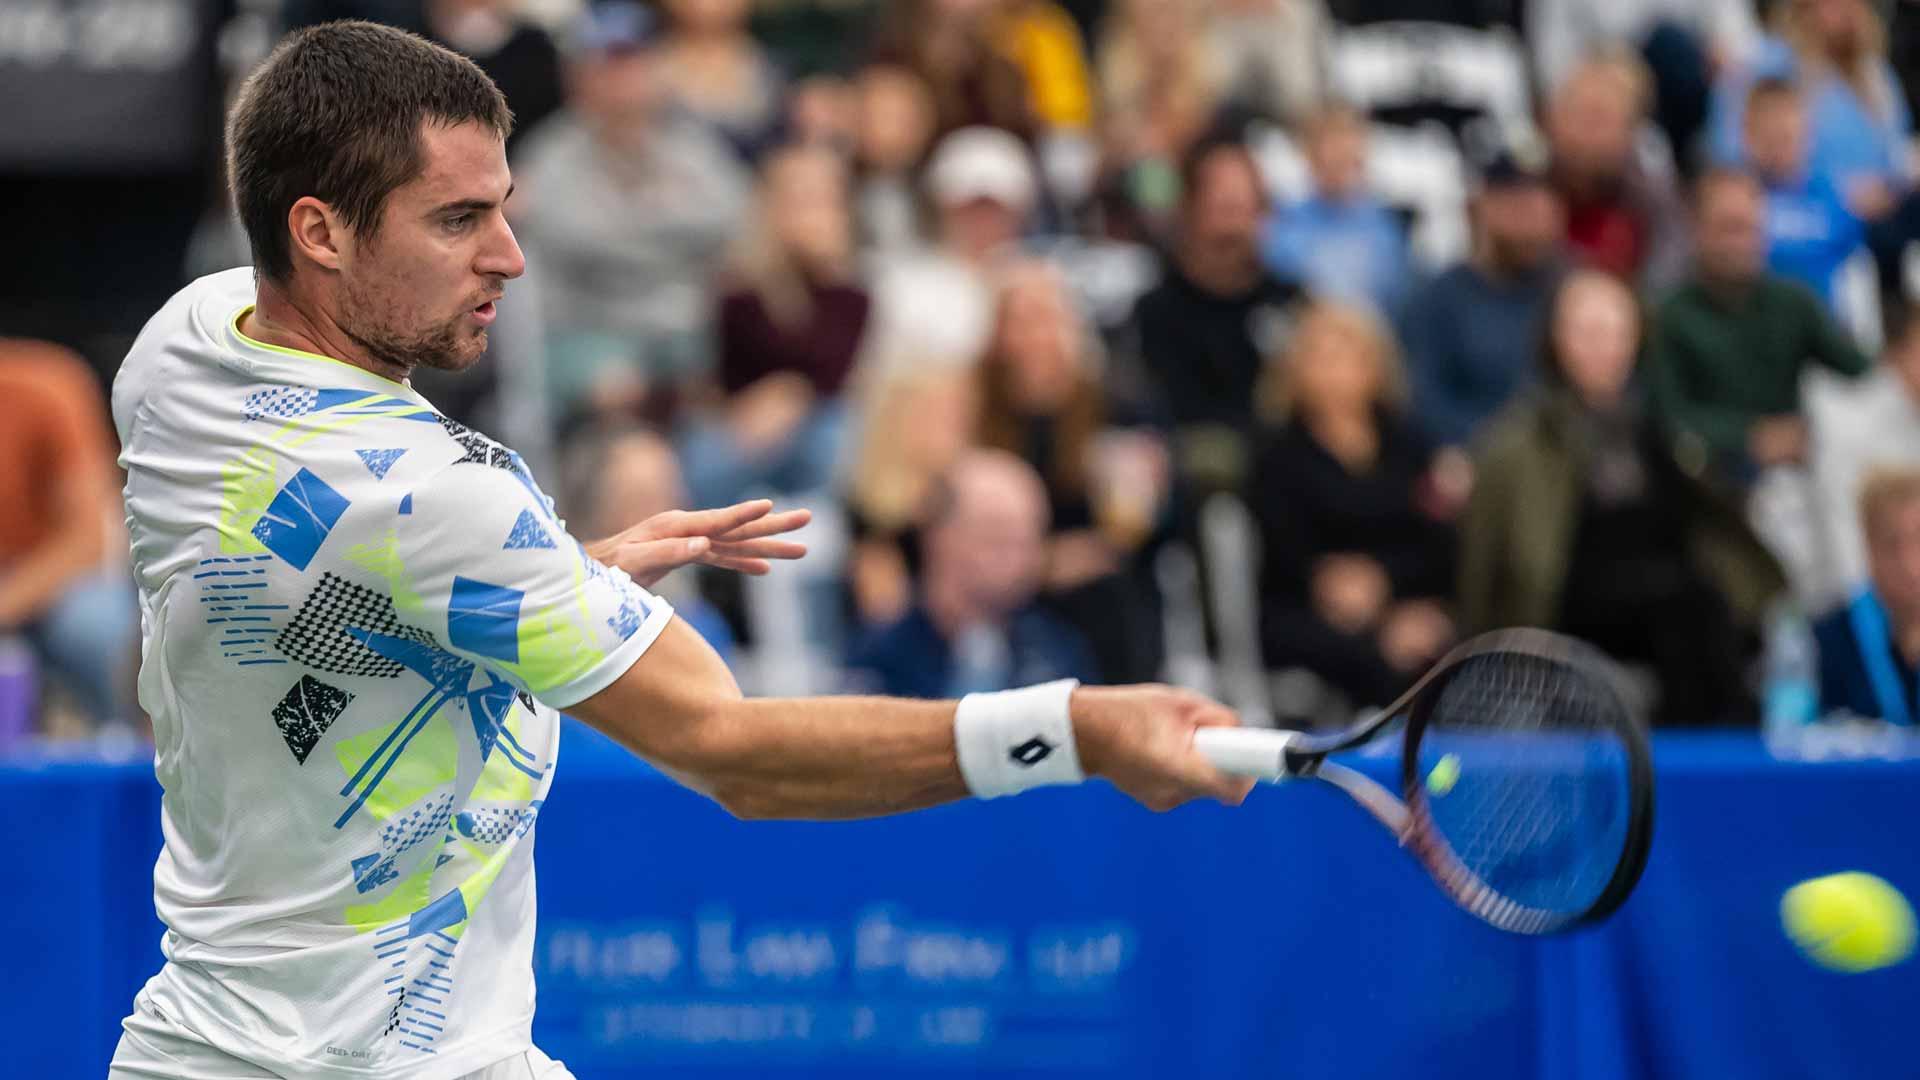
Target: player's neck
x=279 y=319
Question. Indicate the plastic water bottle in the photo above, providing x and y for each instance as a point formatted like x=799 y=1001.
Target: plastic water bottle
x=1791 y=695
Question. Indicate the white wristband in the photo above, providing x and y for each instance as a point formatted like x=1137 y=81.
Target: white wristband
x=1013 y=740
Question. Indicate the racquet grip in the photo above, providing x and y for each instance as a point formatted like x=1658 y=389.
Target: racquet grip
x=1252 y=752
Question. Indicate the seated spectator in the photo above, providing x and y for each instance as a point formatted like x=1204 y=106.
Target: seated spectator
x=949 y=44
x=1159 y=89
x=1357 y=544
x=912 y=426
x=974 y=625
x=1872 y=422
x=711 y=68
x=1042 y=399
x=1810 y=232
x=1835 y=52
x=1472 y=331
x=1870 y=647
x=627 y=209
x=935 y=305
x=617 y=474
x=1582 y=520
x=63 y=577
x=1341 y=242
x=1203 y=330
x=894 y=127
x=517 y=55
x=1272 y=56
x=1624 y=213
x=1729 y=346
x=1685 y=43
x=789 y=328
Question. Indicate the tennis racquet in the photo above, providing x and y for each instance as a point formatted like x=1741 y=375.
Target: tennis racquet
x=1526 y=781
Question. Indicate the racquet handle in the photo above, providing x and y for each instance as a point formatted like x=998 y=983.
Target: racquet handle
x=1252 y=752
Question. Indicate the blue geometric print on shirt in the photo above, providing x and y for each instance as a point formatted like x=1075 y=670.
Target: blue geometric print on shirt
x=332 y=398
x=527 y=533
x=485 y=619
x=379 y=461
x=372 y=871
x=299 y=518
x=487 y=707
x=406 y=503
x=449 y=910
x=628 y=619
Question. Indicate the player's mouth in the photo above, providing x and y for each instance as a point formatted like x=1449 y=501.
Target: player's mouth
x=484 y=313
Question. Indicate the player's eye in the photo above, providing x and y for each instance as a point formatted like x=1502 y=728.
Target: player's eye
x=459 y=222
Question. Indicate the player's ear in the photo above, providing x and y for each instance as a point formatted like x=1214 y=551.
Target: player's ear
x=316 y=232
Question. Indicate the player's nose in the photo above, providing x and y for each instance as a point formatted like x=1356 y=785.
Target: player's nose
x=502 y=256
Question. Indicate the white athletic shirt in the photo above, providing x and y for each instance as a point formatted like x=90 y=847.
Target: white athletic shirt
x=358 y=618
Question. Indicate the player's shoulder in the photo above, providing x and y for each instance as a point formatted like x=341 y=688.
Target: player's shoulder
x=182 y=340
x=467 y=478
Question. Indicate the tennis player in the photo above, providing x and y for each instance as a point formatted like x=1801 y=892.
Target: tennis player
x=359 y=618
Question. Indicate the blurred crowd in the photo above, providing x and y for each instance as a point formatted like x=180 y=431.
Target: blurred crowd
x=1268 y=346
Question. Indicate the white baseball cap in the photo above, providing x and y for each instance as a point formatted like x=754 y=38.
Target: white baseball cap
x=982 y=163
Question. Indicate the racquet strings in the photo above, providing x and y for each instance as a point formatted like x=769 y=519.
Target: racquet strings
x=1527 y=779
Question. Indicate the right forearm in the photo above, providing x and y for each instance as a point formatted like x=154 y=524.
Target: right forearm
x=831 y=757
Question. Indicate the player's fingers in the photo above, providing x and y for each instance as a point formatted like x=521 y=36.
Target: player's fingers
x=753 y=567
x=717 y=522
x=770 y=524
x=1213 y=714
x=761 y=549
x=646 y=560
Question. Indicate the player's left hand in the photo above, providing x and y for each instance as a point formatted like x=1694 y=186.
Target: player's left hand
x=741 y=537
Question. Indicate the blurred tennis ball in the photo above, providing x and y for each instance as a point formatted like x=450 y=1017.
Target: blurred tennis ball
x=1849 y=922
x=1446 y=772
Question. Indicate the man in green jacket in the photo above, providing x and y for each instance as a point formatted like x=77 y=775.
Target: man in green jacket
x=1729 y=346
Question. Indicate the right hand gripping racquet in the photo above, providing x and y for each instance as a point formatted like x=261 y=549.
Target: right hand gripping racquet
x=1526 y=782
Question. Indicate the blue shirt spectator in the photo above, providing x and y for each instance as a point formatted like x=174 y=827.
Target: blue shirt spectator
x=1471 y=342
x=1341 y=243
x=1853 y=140
x=1860 y=670
x=912 y=658
x=1810 y=231
x=1870 y=648
x=1472 y=333
x=1347 y=250
x=975 y=627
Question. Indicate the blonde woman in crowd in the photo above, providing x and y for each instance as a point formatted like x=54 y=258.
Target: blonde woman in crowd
x=788 y=328
x=1042 y=399
x=1356 y=530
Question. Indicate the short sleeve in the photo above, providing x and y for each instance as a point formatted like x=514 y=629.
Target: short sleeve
x=491 y=575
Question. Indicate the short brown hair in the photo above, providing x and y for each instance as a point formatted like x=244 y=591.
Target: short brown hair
x=335 y=112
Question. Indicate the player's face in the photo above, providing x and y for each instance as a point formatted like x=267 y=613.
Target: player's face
x=420 y=291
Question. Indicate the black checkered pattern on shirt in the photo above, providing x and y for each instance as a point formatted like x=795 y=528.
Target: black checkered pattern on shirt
x=317 y=636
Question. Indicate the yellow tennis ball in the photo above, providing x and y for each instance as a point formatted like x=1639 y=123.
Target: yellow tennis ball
x=1849 y=922
x=1446 y=772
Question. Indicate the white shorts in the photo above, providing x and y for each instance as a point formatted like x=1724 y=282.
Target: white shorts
x=152 y=1048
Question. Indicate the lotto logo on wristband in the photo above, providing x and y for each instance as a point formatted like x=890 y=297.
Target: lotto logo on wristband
x=1031 y=753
